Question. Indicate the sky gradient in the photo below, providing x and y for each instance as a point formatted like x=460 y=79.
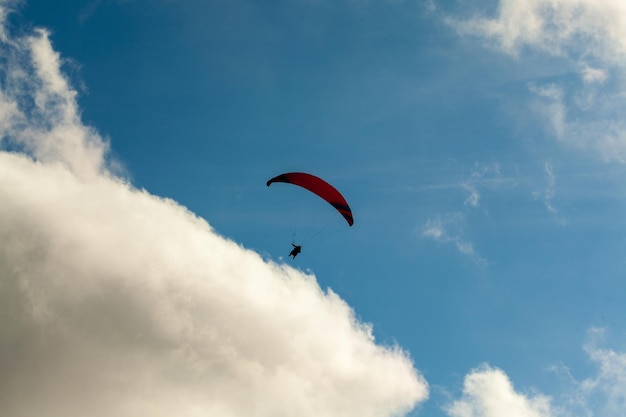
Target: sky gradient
x=143 y=260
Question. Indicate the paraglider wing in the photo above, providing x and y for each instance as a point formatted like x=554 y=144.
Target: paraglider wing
x=319 y=187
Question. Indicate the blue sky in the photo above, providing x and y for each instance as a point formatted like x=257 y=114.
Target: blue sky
x=481 y=147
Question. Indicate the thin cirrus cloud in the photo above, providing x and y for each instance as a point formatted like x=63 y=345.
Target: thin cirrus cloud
x=483 y=176
x=115 y=302
x=548 y=193
x=448 y=230
x=590 y=38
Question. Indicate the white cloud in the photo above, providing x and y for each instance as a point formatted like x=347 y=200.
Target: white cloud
x=606 y=391
x=590 y=37
x=547 y=194
x=5 y=9
x=552 y=107
x=114 y=302
x=42 y=115
x=583 y=119
x=593 y=75
x=481 y=175
x=559 y=27
x=430 y=6
x=448 y=230
x=488 y=392
x=122 y=303
x=473 y=196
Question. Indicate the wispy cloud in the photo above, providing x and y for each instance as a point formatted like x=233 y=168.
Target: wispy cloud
x=586 y=28
x=41 y=112
x=590 y=38
x=482 y=176
x=607 y=389
x=593 y=75
x=551 y=106
x=585 y=118
x=116 y=302
x=547 y=194
x=449 y=230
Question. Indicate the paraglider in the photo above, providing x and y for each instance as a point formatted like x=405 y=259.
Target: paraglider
x=320 y=188
x=296 y=250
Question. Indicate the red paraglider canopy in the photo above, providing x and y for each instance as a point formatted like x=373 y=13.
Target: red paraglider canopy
x=319 y=187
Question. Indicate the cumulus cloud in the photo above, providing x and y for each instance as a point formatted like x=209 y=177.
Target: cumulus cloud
x=590 y=37
x=488 y=392
x=115 y=302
